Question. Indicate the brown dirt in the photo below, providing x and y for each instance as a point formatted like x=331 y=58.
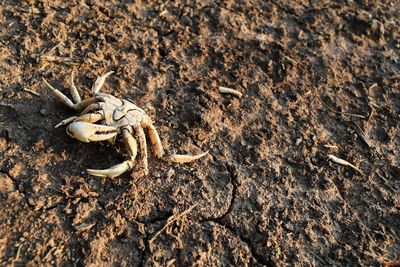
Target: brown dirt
x=266 y=194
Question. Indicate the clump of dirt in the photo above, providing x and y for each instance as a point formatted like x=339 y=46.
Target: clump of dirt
x=317 y=78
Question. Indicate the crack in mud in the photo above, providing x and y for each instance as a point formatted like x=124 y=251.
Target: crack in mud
x=234 y=182
x=265 y=261
x=146 y=252
x=222 y=221
x=232 y=176
x=17 y=188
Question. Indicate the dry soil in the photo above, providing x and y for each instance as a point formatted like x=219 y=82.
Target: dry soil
x=317 y=78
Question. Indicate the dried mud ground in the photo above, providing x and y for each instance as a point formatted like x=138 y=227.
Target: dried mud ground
x=317 y=77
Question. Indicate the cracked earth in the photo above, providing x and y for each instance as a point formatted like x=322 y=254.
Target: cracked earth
x=317 y=78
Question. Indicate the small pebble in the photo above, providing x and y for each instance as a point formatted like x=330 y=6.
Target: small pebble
x=44 y=111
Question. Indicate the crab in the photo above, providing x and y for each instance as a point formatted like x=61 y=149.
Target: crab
x=104 y=117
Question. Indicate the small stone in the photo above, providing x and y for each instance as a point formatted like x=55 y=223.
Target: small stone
x=3 y=144
x=36 y=189
x=84 y=226
x=298 y=141
x=16 y=170
x=11 y=134
x=44 y=111
x=170 y=173
x=6 y=183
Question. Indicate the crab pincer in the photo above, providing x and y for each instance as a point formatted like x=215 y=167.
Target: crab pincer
x=89 y=132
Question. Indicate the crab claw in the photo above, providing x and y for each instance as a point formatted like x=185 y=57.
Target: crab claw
x=88 y=132
x=114 y=171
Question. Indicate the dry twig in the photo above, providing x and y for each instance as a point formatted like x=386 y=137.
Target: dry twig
x=57 y=59
x=361 y=133
x=172 y=219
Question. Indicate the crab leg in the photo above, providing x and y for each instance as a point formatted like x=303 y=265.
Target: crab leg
x=66 y=121
x=63 y=98
x=155 y=140
x=183 y=158
x=66 y=101
x=90 y=117
x=159 y=150
x=130 y=142
x=114 y=171
x=74 y=91
x=100 y=81
x=93 y=107
x=143 y=146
